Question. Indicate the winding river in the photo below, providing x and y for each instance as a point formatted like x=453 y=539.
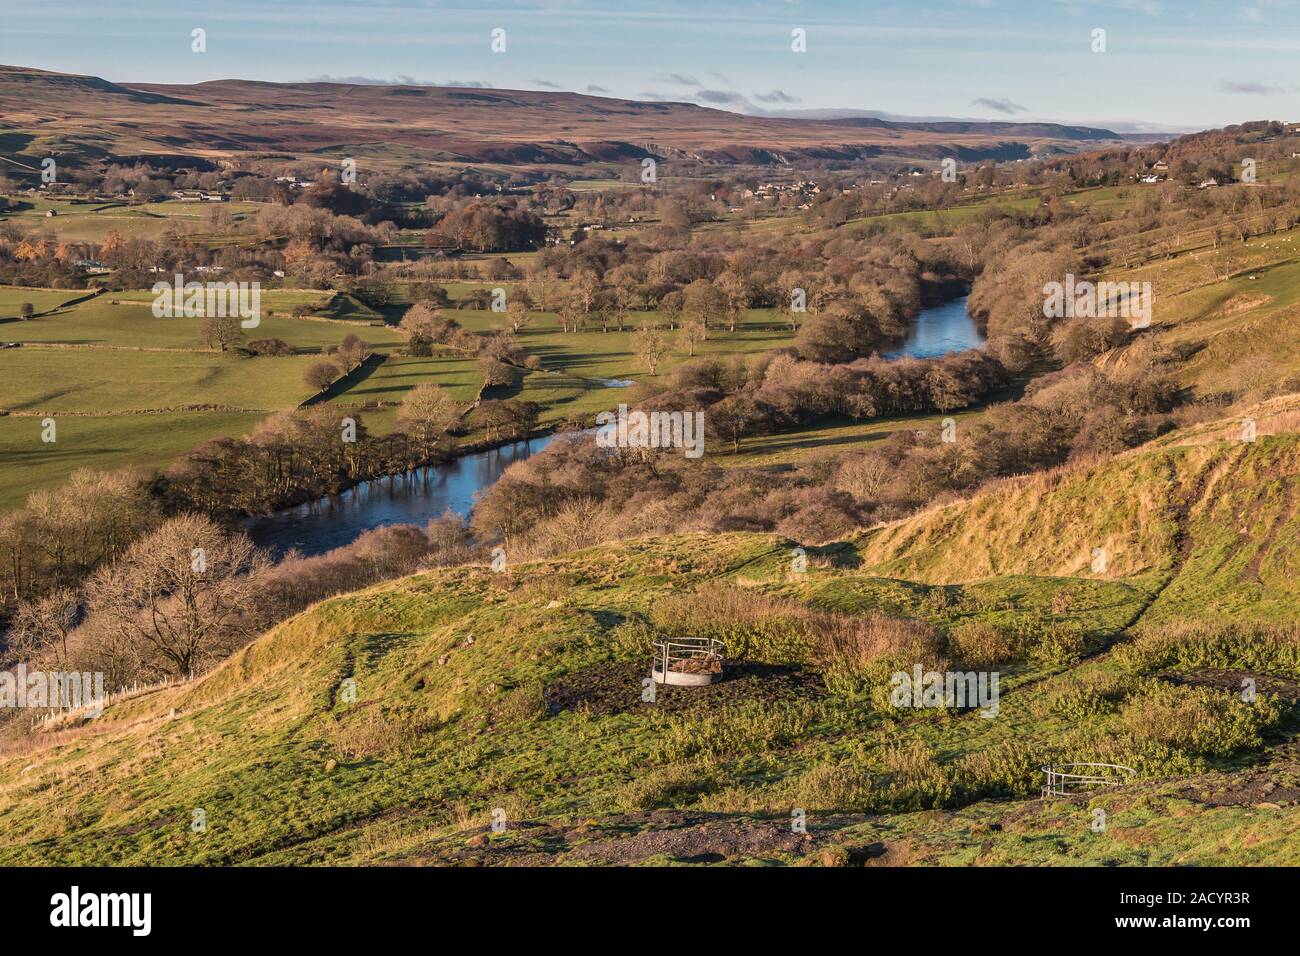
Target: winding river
x=418 y=496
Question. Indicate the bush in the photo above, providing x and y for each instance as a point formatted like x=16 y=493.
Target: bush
x=372 y=734
x=521 y=704
x=321 y=375
x=751 y=625
x=981 y=644
x=1005 y=770
x=270 y=347
x=1199 y=720
x=916 y=781
x=663 y=787
x=1090 y=697
x=1261 y=648
x=860 y=655
x=634 y=637
x=1058 y=645
x=752 y=727
x=834 y=787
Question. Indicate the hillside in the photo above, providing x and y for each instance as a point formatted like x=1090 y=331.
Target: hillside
x=1207 y=518
x=86 y=115
x=520 y=692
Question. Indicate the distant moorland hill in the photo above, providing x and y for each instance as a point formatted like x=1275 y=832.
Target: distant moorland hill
x=94 y=117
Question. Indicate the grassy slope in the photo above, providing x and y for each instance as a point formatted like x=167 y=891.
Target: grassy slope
x=126 y=320
x=289 y=772
x=1242 y=331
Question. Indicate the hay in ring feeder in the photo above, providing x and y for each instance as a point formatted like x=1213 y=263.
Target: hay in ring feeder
x=687 y=661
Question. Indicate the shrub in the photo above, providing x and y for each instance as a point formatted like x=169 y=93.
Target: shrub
x=834 y=787
x=758 y=627
x=1094 y=696
x=321 y=375
x=982 y=644
x=849 y=643
x=1103 y=742
x=634 y=637
x=1261 y=648
x=750 y=624
x=521 y=704
x=1005 y=770
x=733 y=730
x=1058 y=645
x=270 y=347
x=916 y=781
x=1199 y=720
x=372 y=734
x=662 y=787
x=860 y=655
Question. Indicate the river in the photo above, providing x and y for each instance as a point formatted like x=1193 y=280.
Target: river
x=412 y=498
x=939 y=330
x=418 y=496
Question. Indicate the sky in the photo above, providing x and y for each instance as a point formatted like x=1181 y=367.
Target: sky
x=1177 y=64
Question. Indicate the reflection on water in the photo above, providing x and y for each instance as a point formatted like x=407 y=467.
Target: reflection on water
x=939 y=330
x=412 y=498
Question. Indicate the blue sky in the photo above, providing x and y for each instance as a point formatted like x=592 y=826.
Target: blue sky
x=1180 y=63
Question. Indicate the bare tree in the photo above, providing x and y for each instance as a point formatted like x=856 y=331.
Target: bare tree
x=42 y=625
x=650 y=346
x=690 y=335
x=494 y=371
x=427 y=412
x=220 y=331
x=177 y=596
x=321 y=375
x=352 y=352
x=517 y=315
x=735 y=417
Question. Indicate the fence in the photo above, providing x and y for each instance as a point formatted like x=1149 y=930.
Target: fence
x=1072 y=779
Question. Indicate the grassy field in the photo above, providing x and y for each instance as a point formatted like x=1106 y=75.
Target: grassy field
x=12 y=299
x=829 y=439
x=541 y=717
x=1196 y=310
x=109 y=355
x=127 y=321
x=391 y=381
x=111 y=380
x=102 y=442
x=91 y=222
x=1240 y=332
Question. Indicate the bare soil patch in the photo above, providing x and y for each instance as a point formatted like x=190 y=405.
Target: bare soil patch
x=615 y=687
